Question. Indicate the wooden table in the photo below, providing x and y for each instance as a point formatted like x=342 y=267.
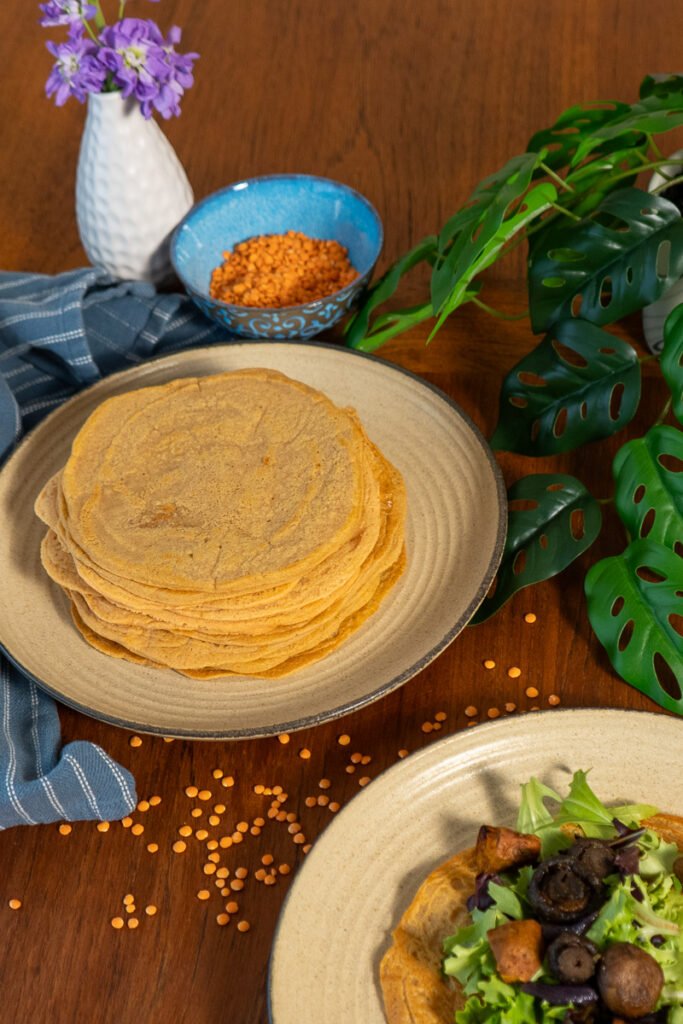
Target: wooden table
x=411 y=103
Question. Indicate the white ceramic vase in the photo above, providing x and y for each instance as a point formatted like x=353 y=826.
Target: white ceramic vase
x=656 y=313
x=131 y=190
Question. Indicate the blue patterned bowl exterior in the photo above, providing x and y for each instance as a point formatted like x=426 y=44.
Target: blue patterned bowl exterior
x=273 y=204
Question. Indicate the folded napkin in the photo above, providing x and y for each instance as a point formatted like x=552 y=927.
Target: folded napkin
x=57 y=335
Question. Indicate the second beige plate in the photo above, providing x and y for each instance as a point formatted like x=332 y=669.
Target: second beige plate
x=454 y=538
x=365 y=869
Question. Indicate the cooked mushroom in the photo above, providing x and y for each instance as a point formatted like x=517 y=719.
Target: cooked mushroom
x=572 y=958
x=579 y=927
x=500 y=848
x=562 y=889
x=594 y=855
x=629 y=980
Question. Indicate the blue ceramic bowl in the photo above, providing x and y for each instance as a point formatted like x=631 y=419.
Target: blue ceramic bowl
x=273 y=204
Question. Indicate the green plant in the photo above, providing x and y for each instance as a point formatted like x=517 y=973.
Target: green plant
x=599 y=249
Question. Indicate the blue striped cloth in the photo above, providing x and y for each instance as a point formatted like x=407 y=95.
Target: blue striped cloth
x=57 y=335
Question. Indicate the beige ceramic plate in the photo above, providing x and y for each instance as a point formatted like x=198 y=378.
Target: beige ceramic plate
x=365 y=869
x=455 y=533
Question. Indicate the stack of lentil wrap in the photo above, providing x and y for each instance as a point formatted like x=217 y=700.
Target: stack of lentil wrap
x=239 y=523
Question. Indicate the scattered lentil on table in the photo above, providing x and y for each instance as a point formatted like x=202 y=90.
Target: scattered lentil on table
x=269 y=873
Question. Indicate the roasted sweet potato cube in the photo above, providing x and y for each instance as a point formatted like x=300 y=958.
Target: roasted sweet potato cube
x=517 y=948
x=501 y=848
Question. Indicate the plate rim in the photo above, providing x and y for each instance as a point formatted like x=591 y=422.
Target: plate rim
x=454 y=739
x=348 y=707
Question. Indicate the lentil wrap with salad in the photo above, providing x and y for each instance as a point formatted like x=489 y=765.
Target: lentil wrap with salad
x=575 y=916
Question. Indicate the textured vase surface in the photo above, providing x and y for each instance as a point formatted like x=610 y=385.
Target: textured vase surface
x=131 y=191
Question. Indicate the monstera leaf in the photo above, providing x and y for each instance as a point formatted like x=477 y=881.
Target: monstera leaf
x=579 y=384
x=359 y=327
x=594 y=180
x=661 y=85
x=671 y=359
x=649 y=493
x=514 y=177
x=552 y=520
x=635 y=605
x=573 y=126
x=617 y=260
x=472 y=240
x=659 y=112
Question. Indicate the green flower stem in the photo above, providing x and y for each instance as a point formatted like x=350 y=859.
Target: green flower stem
x=122 y=6
x=556 y=178
x=663 y=414
x=667 y=184
x=88 y=28
x=497 y=312
x=577 y=197
x=605 y=501
x=652 y=165
x=100 y=20
x=647 y=359
x=566 y=212
x=644 y=159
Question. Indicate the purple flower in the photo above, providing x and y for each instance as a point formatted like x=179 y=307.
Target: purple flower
x=131 y=56
x=145 y=65
x=65 y=12
x=179 y=77
x=77 y=70
x=131 y=50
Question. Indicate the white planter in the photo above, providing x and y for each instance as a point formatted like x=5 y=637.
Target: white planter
x=655 y=314
x=131 y=190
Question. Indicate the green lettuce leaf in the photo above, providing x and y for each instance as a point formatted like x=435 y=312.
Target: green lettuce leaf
x=533 y=814
x=506 y=900
x=657 y=857
x=582 y=807
x=468 y=955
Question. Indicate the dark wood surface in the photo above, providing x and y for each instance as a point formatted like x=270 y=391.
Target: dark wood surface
x=411 y=103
